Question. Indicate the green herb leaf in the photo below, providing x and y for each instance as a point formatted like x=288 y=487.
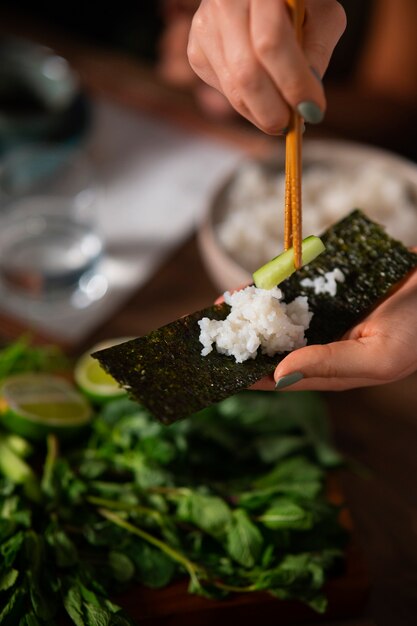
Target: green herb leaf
x=244 y=540
x=154 y=568
x=21 y=356
x=29 y=619
x=10 y=606
x=209 y=513
x=121 y=566
x=284 y=513
x=8 y=579
x=10 y=549
x=66 y=554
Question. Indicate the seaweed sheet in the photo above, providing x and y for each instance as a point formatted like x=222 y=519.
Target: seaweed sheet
x=165 y=370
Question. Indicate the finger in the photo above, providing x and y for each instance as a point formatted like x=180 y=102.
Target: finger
x=206 y=57
x=199 y=61
x=243 y=78
x=277 y=50
x=324 y=24
x=366 y=359
x=267 y=383
x=331 y=384
x=213 y=101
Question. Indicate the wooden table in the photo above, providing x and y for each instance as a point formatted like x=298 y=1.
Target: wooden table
x=376 y=428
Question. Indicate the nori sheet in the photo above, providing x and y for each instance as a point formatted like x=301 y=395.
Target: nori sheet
x=165 y=371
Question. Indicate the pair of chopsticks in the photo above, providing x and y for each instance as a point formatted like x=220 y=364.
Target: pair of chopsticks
x=293 y=166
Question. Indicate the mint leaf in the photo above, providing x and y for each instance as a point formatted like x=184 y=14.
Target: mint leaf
x=274 y=448
x=121 y=566
x=210 y=513
x=10 y=549
x=10 y=606
x=29 y=619
x=244 y=540
x=286 y=514
x=154 y=568
x=8 y=579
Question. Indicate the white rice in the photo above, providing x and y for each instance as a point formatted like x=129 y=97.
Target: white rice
x=258 y=319
x=326 y=283
x=252 y=228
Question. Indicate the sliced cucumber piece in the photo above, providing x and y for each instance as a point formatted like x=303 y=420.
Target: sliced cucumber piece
x=282 y=266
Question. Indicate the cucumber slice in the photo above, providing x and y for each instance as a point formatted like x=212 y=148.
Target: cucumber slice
x=282 y=266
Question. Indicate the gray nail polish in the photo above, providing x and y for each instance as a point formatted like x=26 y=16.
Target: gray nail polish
x=285 y=130
x=288 y=380
x=315 y=73
x=310 y=112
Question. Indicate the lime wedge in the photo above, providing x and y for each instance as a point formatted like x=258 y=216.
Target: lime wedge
x=91 y=378
x=34 y=405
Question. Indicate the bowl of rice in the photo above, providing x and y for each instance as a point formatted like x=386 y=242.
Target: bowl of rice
x=244 y=224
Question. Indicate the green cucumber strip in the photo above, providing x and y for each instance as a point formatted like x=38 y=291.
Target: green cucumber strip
x=282 y=266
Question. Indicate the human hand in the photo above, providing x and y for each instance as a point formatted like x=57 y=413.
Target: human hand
x=247 y=50
x=380 y=349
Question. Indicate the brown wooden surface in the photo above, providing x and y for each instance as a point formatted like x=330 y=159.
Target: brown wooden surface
x=173 y=606
x=375 y=428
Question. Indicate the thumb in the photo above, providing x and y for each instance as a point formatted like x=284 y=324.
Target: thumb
x=335 y=366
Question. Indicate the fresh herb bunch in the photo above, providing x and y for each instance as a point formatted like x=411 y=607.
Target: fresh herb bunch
x=21 y=356
x=232 y=497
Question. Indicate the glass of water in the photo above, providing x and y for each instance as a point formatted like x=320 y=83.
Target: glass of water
x=50 y=246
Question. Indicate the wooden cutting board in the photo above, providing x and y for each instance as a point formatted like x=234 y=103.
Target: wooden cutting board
x=171 y=606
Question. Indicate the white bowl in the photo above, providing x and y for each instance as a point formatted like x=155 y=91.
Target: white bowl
x=226 y=271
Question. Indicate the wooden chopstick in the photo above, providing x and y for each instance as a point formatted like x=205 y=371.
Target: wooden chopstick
x=293 y=157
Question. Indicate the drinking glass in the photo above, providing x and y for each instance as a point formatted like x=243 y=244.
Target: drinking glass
x=50 y=246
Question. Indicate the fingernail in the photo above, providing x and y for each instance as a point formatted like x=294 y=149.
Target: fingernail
x=279 y=131
x=315 y=73
x=310 y=112
x=288 y=380
x=285 y=130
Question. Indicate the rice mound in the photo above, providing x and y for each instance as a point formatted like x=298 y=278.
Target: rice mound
x=258 y=319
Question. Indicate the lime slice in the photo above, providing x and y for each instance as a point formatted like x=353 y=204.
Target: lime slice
x=34 y=405
x=91 y=378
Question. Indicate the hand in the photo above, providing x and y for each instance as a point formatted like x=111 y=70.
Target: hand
x=380 y=349
x=247 y=50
